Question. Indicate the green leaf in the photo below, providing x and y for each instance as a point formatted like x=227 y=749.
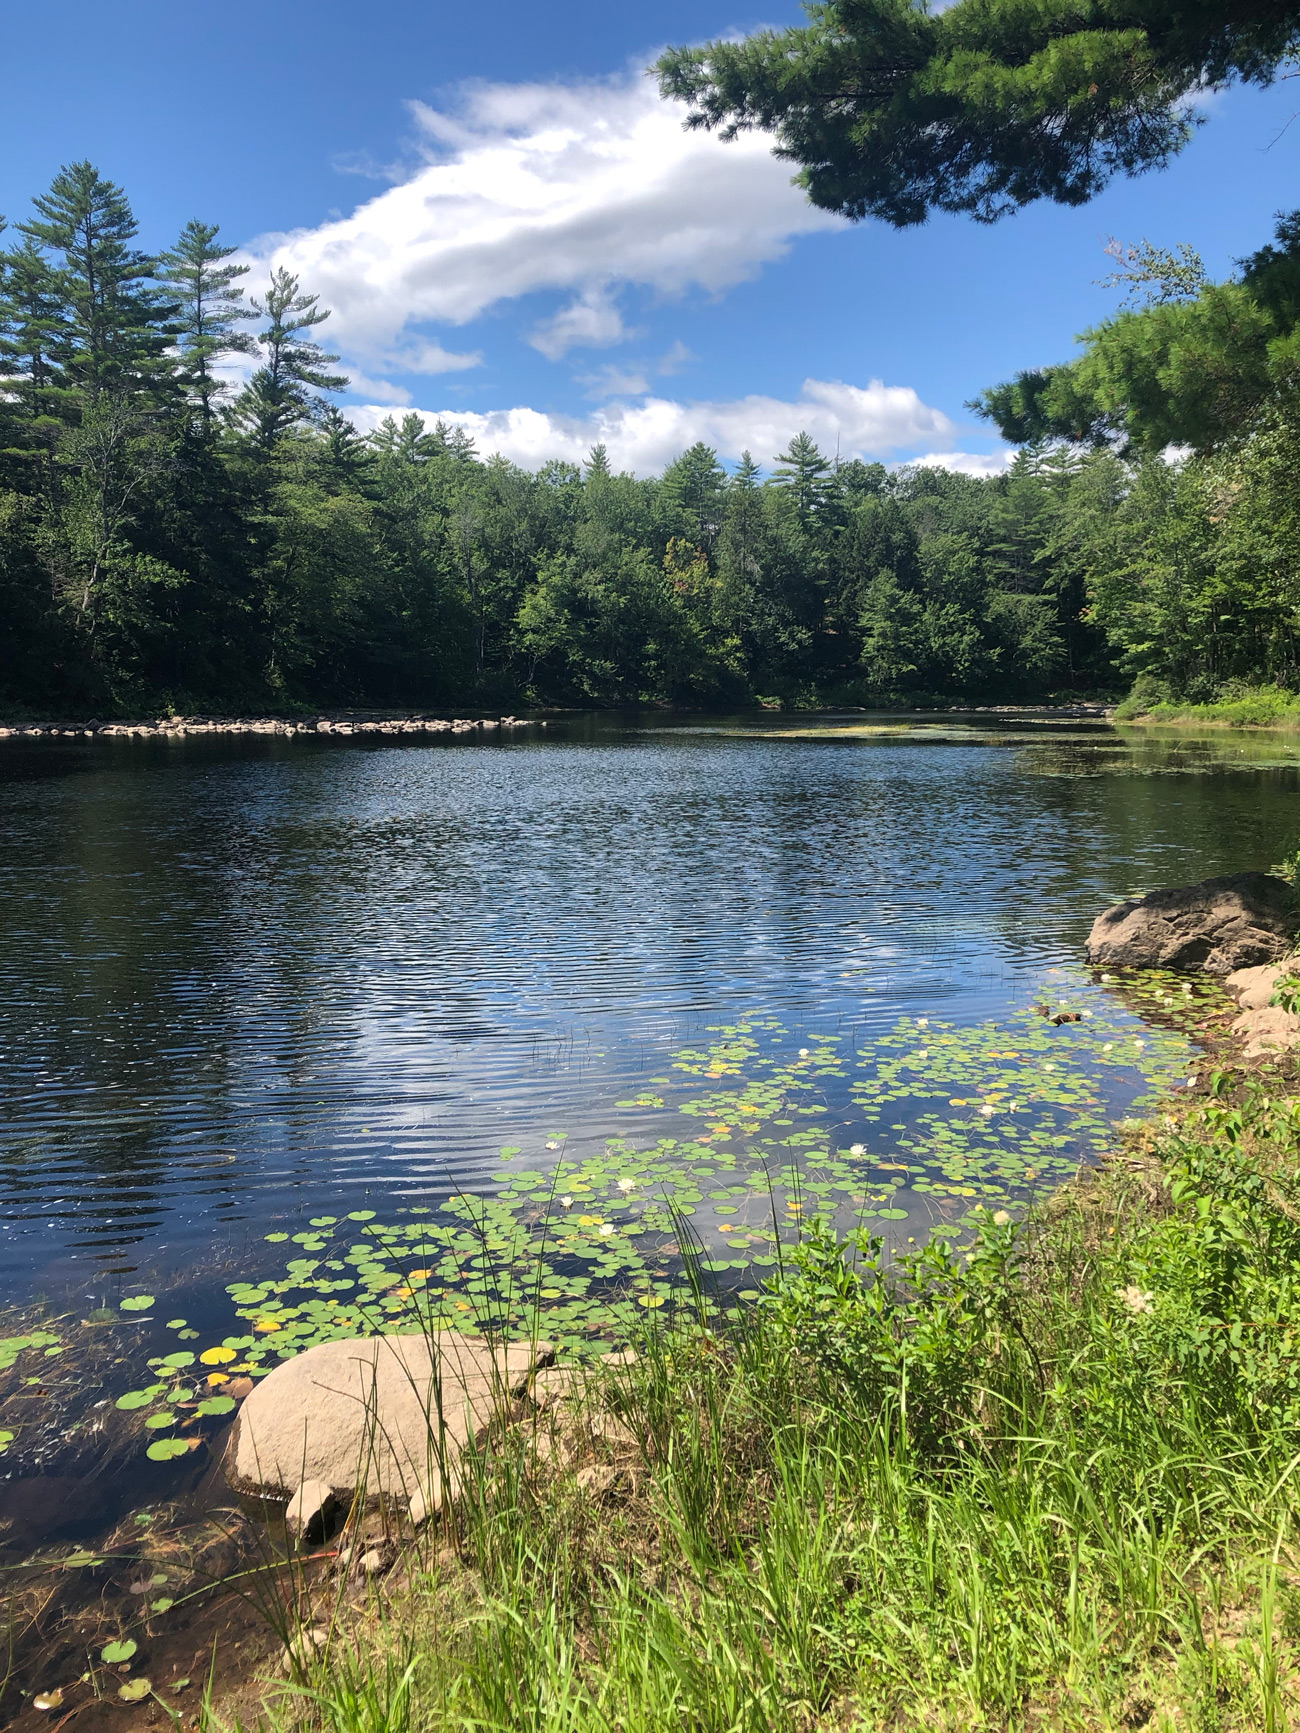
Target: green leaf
x=135 y=1690
x=139 y=1303
x=166 y=1449
x=113 y=1654
x=140 y=1398
x=216 y=1405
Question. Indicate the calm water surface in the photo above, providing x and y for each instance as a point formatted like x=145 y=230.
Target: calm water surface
x=248 y=980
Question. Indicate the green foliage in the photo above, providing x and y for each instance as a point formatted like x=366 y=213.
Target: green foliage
x=1036 y=1479
x=894 y=109
x=163 y=545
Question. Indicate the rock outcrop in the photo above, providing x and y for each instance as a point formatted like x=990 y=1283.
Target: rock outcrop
x=1263 y=1027
x=390 y=1416
x=1221 y=925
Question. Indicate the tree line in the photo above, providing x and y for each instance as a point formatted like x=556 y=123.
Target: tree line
x=171 y=539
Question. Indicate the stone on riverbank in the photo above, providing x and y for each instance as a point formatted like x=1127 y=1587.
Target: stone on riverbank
x=1263 y=1027
x=390 y=1416
x=1221 y=925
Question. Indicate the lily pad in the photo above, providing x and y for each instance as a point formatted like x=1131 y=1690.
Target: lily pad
x=140 y=1398
x=216 y=1405
x=135 y=1690
x=113 y=1654
x=167 y=1449
x=138 y=1303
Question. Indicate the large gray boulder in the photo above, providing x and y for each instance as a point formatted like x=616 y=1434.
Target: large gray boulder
x=1219 y=925
x=387 y=1415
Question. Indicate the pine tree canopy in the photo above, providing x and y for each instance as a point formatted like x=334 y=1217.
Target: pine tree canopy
x=893 y=110
x=1200 y=364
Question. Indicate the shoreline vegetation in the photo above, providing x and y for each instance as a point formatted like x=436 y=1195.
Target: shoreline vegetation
x=172 y=542
x=1045 y=1482
x=1043 y=1477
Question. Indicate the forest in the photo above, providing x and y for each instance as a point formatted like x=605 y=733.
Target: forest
x=189 y=522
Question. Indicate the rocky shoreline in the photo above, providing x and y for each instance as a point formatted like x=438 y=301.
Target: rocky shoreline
x=178 y=727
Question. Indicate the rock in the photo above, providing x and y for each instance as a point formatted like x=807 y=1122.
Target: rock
x=303 y=1647
x=596 y=1479
x=1220 y=925
x=1268 y=1029
x=554 y=1385
x=310 y=1511
x=389 y=1415
x=1253 y=989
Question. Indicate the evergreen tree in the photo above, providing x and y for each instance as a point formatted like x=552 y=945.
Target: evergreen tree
x=695 y=484
x=116 y=327
x=209 y=305
x=806 y=473
x=895 y=109
x=278 y=397
x=33 y=345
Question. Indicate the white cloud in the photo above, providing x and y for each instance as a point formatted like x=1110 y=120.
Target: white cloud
x=380 y=389
x=674 y=358
x=576 y=189
x=876 y=420
x=612 y=381
x=593 y=322
x=979 y=463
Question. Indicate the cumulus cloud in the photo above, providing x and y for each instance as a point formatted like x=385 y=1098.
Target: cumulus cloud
x=979 y=463
x=873 y=421
x=580 y=190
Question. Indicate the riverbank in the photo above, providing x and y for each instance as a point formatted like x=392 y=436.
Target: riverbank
x=1039 y=1477
x=1045 y=1481
x=1048 y=1483
x=1265 y=707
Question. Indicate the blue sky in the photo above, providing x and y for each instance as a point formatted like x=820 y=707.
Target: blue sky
x=514 y=233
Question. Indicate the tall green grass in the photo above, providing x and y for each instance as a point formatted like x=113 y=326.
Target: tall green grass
x=1052 y=1480
x=1254 y=707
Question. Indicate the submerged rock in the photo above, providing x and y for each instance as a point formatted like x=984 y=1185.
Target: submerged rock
x=386 y=1416
x=1220 y=925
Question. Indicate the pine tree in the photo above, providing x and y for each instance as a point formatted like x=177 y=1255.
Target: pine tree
x=33 y=345
x=209 y=307
x=115 y=321
x=598 y=463
x=278 y=397
x=696 y=485
x=806 y=472
x=747 y=474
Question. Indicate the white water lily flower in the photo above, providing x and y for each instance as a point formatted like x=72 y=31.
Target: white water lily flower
x=857 y=1149
x=1107 y=979
x=1137 y=1299
x=1085 y=1013
x=606 y=1231
x=567 y=1202
x=923 y=1022
x=988 y=1110
x=804 y=1052
x=552 y=1144
x=1012 y=1106
x=923 y=1053
x=1106 y=1046
x=627 y=1184
x=1139 y=1043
